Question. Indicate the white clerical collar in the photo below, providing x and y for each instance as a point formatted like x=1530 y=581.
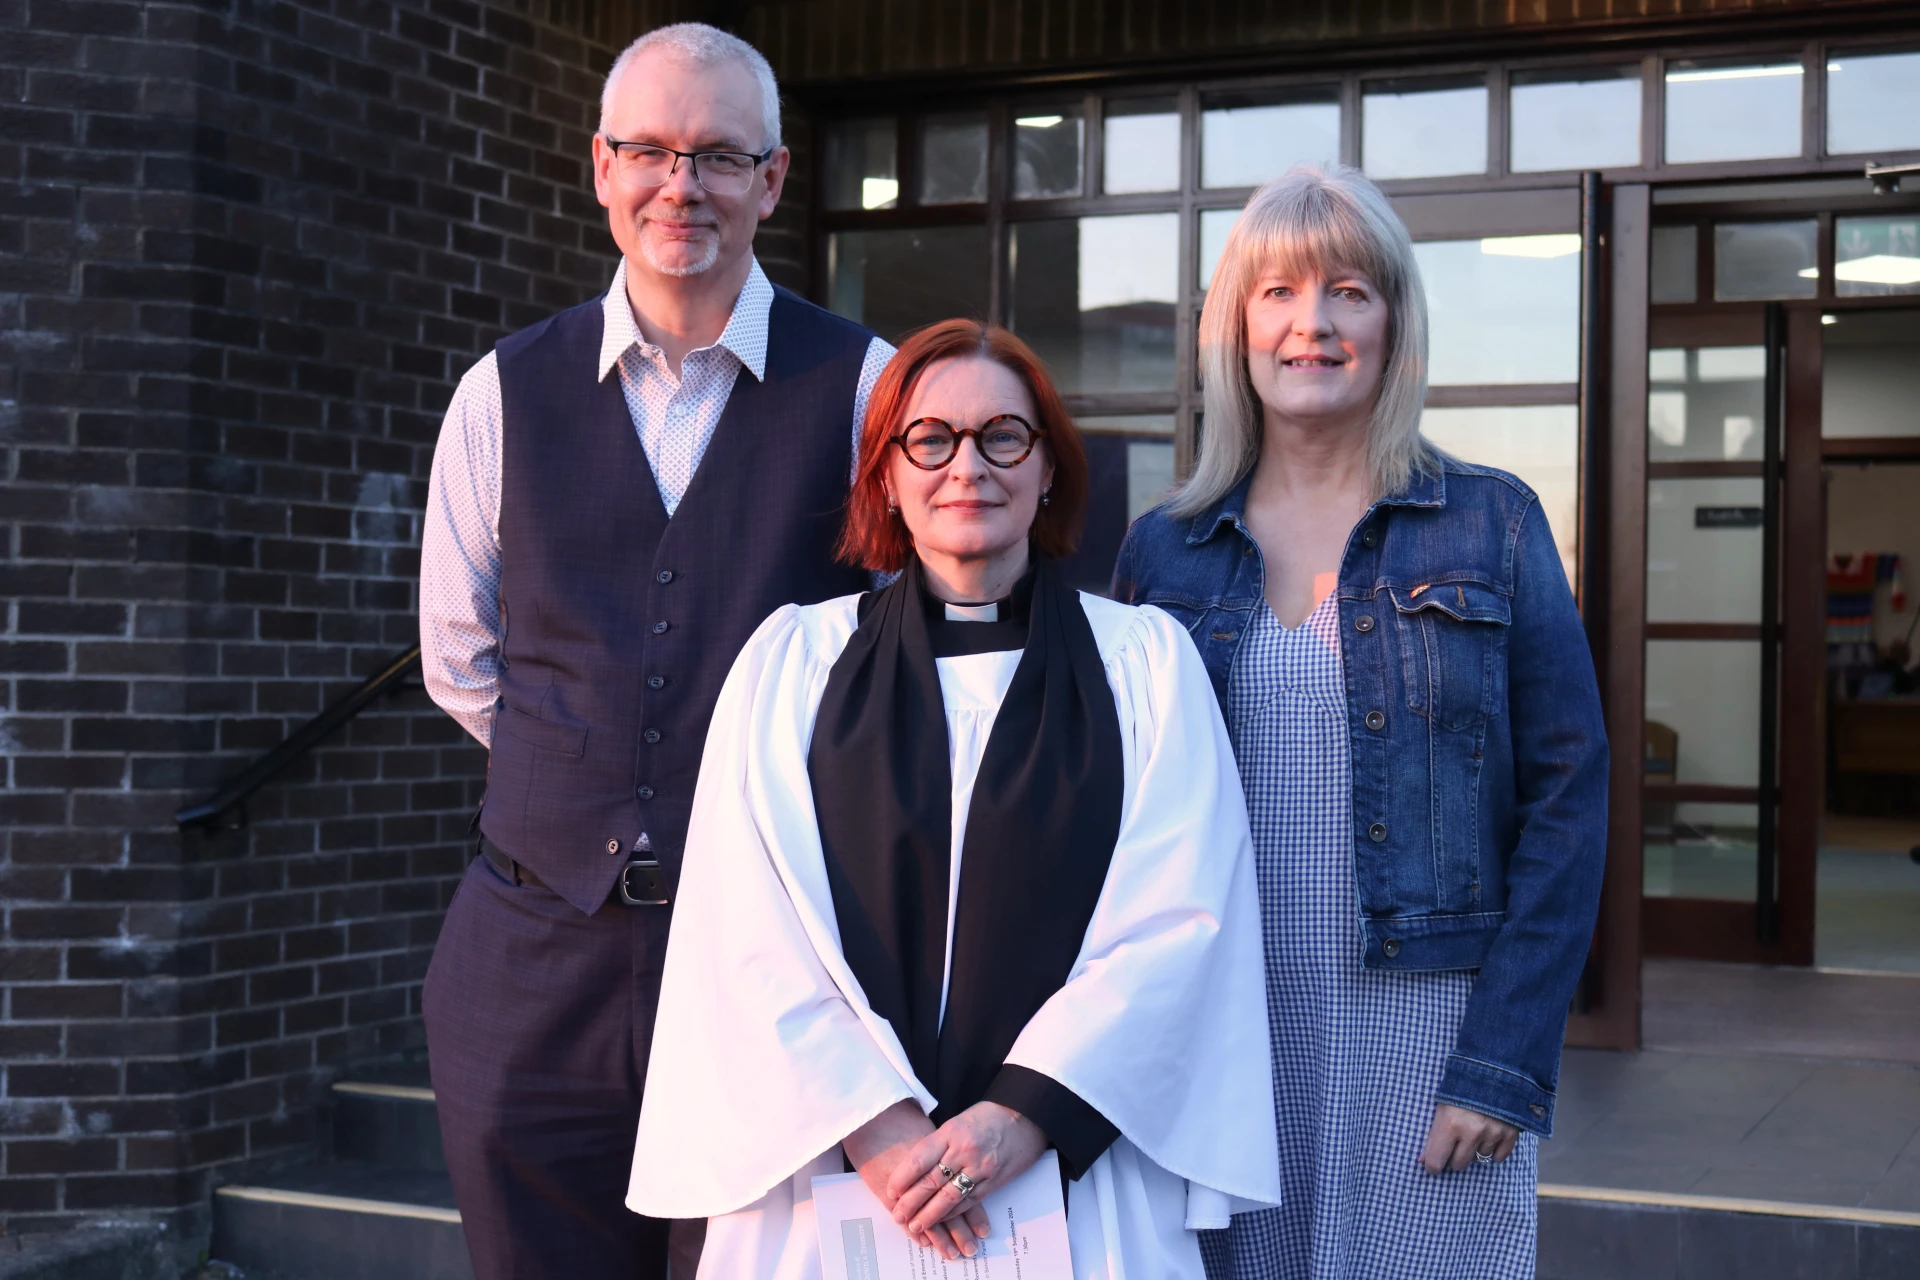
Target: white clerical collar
x=989 y=612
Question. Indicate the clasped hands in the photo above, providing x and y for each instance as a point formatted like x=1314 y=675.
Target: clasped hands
x=899 y=1154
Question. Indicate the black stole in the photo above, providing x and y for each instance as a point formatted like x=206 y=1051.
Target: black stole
x=1041 y=829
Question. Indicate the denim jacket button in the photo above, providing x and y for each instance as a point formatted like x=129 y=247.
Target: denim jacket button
x=1371 y=538
x=1391 y=946
x=1376 y=721
x=1363 y=623
x=1537 y=1109
x=1377 y=832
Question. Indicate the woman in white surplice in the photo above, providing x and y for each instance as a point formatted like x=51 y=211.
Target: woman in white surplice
x=968 y=877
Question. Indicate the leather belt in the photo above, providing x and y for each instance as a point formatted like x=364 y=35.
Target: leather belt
x=642 y=881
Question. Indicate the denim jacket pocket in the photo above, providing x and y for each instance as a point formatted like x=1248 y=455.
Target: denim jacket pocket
x=1453 y=638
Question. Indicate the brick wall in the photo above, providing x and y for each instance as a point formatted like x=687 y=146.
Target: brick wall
x=245 y=251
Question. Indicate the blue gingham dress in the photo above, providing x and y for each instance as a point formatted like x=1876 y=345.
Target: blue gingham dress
x=1357 y=1053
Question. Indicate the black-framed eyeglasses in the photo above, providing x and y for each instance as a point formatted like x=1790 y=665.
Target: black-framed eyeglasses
x=721 y=173
x=1003 y=440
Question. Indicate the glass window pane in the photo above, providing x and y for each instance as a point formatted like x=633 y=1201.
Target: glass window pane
x=861 y=165
x=1140 y=146
x=1125 y=477
x=953 y=159
x=894 y=281
x=1870 y=383
x=1588 y=121
x=1214 y=226
x=1095 y=298
x=1423 y=132
x=1873 y=102
x=1127 y=424
x=1705 y=403
x=1503 y=309
x=1703 y=550
x=1876 y=255
x=1708 y=693
x=1046 y=153
x=1245 y=140
x=1732 y=113
x=1753 y=260
x=1538 y=443
x=1699 y=850
x=1675 y=272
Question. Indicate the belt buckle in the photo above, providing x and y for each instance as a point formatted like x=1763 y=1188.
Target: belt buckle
x=644 y=884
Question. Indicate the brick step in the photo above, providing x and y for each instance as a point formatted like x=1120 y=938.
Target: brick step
x=387 y=1123
x=1596 y=1233
x=345 y=1221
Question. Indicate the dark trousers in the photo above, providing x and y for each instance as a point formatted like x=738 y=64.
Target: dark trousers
x=539 y=1020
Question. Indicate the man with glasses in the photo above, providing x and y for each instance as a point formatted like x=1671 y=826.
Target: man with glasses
x=620 y=495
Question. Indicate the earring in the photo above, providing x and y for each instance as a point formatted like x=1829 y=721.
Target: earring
x=893 y=508
x=1045 y=497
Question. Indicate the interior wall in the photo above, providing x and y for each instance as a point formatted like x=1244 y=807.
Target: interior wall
x=1876 y=507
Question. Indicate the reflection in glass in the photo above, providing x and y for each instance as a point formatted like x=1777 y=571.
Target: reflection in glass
x=1245 y=140
x=861 y=160
x=1503 y=309
x=1755 y=260
x=1708 y=693
x=1703 y=550
x=1675 y=272
x=1215 y=224
x=1876 y=255
x=1732 y=113
x=1583 y=120
x=1095 y=298
x=1538 y=443
x=1046 y=153
x=953 y=159
x=1870 y=379
x=894 y=281
x=1705 y=403
x=1873 y=102
x=1698 y=850
x=1140 y=146
x=1423 y=132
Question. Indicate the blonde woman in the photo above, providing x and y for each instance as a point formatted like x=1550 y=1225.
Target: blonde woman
x=1413 y=708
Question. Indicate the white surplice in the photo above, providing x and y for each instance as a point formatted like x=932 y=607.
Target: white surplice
x=766 y=1053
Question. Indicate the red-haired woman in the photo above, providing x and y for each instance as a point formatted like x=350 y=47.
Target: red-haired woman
x=968 y=878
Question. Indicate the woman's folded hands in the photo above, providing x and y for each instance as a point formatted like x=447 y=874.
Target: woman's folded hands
x=909 y=1164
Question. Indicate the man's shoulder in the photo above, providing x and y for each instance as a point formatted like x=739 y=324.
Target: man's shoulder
x=569 y=326
x=790 y=309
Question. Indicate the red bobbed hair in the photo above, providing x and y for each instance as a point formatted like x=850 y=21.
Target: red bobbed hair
x=877 y=539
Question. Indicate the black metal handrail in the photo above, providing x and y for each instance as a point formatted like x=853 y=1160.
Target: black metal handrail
x=232 y=794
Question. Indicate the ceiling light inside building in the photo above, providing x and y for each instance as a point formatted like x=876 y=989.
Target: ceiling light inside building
x=878 y=193
x=1879 y=268
x=1733 y=73
x=1038 y=122
x=1553 y=246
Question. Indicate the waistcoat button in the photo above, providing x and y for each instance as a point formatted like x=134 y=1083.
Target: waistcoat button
x=659 y=628
x=645 y=793
x=613 y=846
x=1391 y=946
x=656 y=682
x=664 y=576
x=1377 y=832
x=1376 y=721
x=1363 y=623
x=651 y=735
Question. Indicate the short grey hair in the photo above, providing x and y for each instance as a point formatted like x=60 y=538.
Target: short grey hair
x=704 y=46
x=1323 y=219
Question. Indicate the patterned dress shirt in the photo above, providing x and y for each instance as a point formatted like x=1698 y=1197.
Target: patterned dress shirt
x=460 y=631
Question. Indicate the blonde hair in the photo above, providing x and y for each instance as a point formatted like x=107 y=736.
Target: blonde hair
x=1322 y=220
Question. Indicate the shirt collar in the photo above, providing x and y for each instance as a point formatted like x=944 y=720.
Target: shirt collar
x=1423 y=489
x=745 y=335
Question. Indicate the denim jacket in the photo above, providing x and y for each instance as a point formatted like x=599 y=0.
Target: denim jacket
x=1479 y=755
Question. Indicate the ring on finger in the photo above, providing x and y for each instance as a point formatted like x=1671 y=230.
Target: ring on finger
x=945 y=1172
x=963 y=1184
x=1481 y=1157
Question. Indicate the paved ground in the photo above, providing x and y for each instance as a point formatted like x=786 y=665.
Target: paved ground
x=1763 y=1084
